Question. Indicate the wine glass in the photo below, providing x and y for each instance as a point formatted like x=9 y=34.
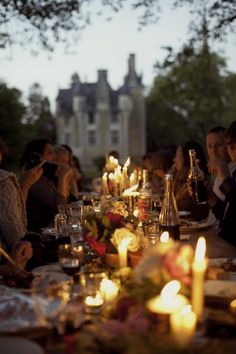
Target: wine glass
x=70 y=258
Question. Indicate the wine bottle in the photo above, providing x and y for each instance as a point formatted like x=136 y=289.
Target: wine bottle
x=196 y=180
x=169 y=217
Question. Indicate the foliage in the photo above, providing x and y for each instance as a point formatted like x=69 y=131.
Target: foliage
x=100 y=230
x=39 y=115
x=44 y=23
x=191 y=93
x=12 y=130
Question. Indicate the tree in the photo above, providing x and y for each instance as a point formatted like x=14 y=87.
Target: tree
x=44 y=23
x=191 y=93
x=12 y=130
x=38 y=113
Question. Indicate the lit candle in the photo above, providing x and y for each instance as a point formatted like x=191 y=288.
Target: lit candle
x=168 y=301
x=93 y=303
x=198 y=269
x=123 y=251
x=132 y=179
x=125 y=174
x=104 y=183
x=109 y=290
x=166 y=243
x=183 y=325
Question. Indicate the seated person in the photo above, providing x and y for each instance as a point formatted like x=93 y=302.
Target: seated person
x=63 y=156
x=13 y=222
x=50 y=190
x=161 y=162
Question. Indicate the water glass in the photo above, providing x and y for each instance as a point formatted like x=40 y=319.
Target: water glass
x=152 y=233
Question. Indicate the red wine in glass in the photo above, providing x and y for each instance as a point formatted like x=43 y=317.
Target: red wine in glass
x=70 y=267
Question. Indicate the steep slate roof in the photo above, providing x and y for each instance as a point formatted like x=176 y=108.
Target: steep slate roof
x=65 y=97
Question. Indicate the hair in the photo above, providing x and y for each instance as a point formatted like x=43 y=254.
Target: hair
x=162 y=159
x=114 y=153
x=34 y=146
x=3 y=151
x=218 y=129
x=200 y=155
x=230 y=133
x=58 y=149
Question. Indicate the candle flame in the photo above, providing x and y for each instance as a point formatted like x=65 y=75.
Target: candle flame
x=125 y=242
x=164 y=237
x=186 y=309
x=233 y=304
x=200 y=249
x=105 y=175
x=170 y=289
x=107 y=285
x=127 y=163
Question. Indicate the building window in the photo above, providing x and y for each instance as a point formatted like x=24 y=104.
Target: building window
x=115 y=137
x=114 y=117
x=91 y=118
x=92 y=138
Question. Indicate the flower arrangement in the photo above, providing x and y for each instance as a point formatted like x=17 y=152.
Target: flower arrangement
x=164 y=262
x=100 y=230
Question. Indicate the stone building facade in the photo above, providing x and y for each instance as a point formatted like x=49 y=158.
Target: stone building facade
x=94 y=119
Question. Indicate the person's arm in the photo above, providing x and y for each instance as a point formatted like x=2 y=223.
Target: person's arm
x=28 y=178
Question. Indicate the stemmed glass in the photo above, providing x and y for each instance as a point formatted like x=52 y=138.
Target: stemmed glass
x=70 y=258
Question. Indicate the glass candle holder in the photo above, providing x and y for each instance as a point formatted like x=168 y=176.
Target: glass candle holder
x=91 y=290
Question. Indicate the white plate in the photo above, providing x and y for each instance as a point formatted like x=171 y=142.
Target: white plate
x=220 y=288
x=183 y=213
x=51 y=276
x=54 y=267
x=197 y=225
x=17 y=345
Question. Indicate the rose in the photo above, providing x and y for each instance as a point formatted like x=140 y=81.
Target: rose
x=124 y=233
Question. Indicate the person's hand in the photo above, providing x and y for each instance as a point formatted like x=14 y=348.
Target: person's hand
x=31 y=176
x=219 y=167
x=21 y=253
x=64 y=171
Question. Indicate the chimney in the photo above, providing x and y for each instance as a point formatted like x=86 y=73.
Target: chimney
x=102 y=76
x=131 y=63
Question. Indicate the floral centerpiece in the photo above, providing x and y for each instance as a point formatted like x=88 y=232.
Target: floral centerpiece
x=104 y=232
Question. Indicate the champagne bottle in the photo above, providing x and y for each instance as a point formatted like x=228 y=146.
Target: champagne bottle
x=169 y=217
x=196 y=180
x=144 y=199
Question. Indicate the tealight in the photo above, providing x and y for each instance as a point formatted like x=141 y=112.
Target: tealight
x=168 y=301
x=93 y=303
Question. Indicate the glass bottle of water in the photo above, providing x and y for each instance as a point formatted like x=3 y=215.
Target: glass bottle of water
x=169 y=217
x=196 y=180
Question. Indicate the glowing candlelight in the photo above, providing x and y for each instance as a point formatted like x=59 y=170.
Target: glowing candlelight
x=198 y=268
x=168 y=301
x=125 y=174
x=93 y=303
x=183 y=325
x=109 y=290
x=104 y=183
x=123 y=251
x=166 y=242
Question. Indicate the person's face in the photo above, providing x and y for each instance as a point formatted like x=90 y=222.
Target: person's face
x=216 y=146
x=48 y=154
x=63 y=158
x=179 y=159
x=231 y=148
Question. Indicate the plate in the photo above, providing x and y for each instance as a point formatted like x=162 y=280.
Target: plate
x=49 y=231
x=54 y=267
x=183 y=213
x=197 y=225
x=17 y=345
x=220 y=288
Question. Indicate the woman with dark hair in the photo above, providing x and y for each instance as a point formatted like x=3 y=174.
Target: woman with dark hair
x=50 y=190
x=180 y=178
